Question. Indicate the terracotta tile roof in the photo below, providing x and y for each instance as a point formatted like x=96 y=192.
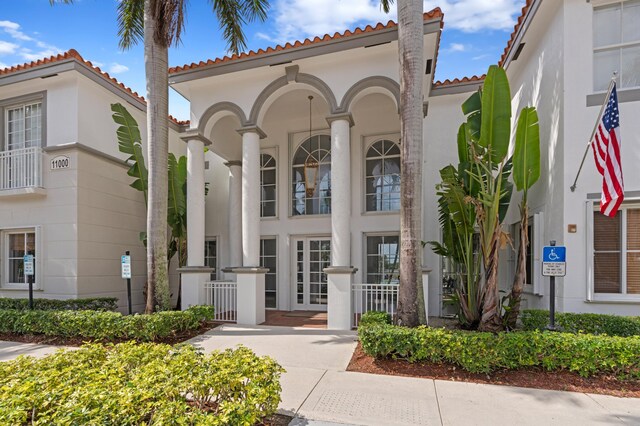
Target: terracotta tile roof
x=73 y=54
x=431 y=15
x=462 y=80
x=516 y=28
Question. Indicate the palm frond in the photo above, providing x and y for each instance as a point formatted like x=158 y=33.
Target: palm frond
x=130 y=23
x=386 y=5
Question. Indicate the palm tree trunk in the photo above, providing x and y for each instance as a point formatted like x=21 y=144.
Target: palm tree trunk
x=521 y=269
x=156 y=65
x=411 y=53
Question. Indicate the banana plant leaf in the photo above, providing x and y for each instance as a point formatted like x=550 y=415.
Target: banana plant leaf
x=495 y=131
x=177 y=211
x=130 y=143
x=526 y=155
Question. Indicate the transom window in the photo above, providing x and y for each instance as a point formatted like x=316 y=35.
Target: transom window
x=382 y=180
x=23 y=126
x=315 y=149
x=211 y=257
x=267 y=186
x=616 y=251
x=616 y=44
x=17 y=245
x=383 y=259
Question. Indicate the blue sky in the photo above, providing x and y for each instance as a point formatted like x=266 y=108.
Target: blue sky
x=475 y=34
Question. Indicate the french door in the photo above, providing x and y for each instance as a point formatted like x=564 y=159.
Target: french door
x=311 y=256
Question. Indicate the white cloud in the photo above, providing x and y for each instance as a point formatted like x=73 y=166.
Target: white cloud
x=457 y=47
x=13 y=29
x=117 y=68
x=97 y=64
x=297 y=19
x=3 y=66
x=477 y=58
x=7 y=48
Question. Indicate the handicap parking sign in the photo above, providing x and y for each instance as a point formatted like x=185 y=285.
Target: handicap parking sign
x=554 y=260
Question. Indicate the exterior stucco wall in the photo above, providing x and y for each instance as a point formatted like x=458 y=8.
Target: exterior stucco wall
x=579 y=120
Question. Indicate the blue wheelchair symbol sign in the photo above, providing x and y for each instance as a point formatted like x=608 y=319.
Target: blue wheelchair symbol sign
x=554 y=254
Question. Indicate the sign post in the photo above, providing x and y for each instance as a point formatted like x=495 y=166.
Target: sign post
x=554 y=264
x=28 y=272
x=125 y=266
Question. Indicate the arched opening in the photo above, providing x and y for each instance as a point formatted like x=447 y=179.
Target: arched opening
x=314 y=149
x=382 y=176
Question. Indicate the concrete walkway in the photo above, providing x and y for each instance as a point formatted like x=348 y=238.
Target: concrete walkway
x=318 y=391
x=11 y=350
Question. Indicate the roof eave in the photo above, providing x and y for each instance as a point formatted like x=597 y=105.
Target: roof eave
x=286 y=56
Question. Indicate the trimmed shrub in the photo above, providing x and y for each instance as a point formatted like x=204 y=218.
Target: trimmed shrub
x=477 y=352
x=612 y=325
x=97 y=325
x=134 y=384
x=374 y=317
x=89 y=304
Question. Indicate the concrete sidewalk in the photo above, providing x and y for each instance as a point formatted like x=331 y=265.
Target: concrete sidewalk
x=318 y=391
x=11 y=350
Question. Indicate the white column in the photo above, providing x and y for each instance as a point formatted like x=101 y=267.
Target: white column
x=235 y=213
x=340 y=190
x=195 y=203
x=250 y=197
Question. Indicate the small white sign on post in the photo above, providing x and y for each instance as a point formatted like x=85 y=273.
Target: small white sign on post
x=554 y=261
x=28 y=264
x=125 y=264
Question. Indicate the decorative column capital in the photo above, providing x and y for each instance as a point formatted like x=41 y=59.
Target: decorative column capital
x=252 y=129
x=194 y=134
x=346 y=116
x=349 y=270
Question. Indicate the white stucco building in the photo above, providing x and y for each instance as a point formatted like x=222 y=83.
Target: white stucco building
x=303 y=167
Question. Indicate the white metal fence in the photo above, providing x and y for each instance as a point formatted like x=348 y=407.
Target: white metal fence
x=223 y=296
x=373 y=297
x=21 y=168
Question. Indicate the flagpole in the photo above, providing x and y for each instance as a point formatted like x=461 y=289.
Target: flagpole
x=586 y=151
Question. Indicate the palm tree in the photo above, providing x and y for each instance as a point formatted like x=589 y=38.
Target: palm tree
x=159 y=23
x=411 y=55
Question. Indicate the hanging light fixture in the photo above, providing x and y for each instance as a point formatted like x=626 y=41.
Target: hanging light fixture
x=310 y=165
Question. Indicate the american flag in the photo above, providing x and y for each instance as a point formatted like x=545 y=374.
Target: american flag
x=606 y=151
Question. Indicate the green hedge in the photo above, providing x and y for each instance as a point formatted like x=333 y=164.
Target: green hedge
x=135 y=384
x=585 y=354
x=612 y=325
x=96 y=325
x=94 y=304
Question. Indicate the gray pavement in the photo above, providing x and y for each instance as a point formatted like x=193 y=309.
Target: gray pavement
x=318 y=391
x=11 y=350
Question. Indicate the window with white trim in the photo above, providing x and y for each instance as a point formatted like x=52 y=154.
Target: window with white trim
x=268 y=259
x=382 y=176
x=616 y=251
x=315 y=149
x=267 y=186
x=211 y=256
x=17 y=244
x=23 y=126
x=616 y=44
x=383 y=259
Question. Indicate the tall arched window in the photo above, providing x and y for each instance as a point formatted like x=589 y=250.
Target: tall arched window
x=383 y=176
x=315 y=149
x=267 y=186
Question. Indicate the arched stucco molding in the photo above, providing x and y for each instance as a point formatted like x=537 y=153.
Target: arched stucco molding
x=221 y=107
x=316 y=84
x=371 y=85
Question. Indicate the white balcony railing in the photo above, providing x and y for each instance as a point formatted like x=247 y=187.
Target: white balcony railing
x=373 y=297
x=223 y=296
x=21 y=168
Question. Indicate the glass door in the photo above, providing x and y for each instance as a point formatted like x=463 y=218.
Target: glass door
x=312 y=255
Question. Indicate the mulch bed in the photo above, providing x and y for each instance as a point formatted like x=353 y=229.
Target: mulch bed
x=277 y=420
x=527 y=378
x=79 y=341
